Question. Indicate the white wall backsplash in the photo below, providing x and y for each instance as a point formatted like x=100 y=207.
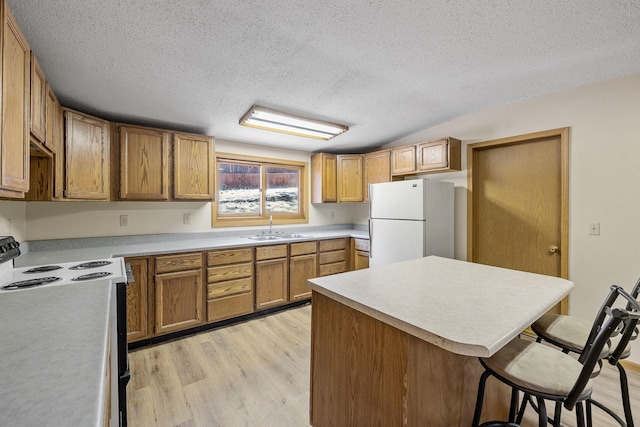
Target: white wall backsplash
x=13 y=219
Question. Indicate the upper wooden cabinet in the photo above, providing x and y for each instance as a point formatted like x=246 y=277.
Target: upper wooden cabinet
x=86 y=153
x=53 y=121
x=193 y=167
x=377 y=168
x=14 y=121
x=323 y=178
x=144 y=155
x=349 y=178
x=439 y=156
x=403 y=160
x=38 y=100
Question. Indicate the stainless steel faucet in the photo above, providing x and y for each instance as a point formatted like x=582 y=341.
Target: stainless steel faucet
x=270 y=223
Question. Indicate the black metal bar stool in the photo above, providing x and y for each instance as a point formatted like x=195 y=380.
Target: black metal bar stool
x=569 y=333
x=543 y=373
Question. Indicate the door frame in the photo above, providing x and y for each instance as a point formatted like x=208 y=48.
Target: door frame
x=563 y=134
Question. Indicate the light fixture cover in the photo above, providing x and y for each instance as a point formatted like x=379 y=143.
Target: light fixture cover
x=277 y=121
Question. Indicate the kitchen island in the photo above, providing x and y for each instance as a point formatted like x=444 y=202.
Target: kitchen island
x=398 y=344
x=55 y=355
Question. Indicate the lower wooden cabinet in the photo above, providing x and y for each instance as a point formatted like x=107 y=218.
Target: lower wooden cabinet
x=332 y=257
x=178 y=292
x=229 y=283
x=303 y=265
x=272 y=276
x=359 y=254
x=137 y=300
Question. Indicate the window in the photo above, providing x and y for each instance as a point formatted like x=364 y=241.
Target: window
x=250 y=190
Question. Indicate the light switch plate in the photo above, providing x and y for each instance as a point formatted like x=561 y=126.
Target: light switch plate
x=594 y=229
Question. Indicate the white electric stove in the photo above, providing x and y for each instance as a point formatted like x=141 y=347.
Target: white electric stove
x=19 y=279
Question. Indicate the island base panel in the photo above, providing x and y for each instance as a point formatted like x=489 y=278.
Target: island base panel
x=365 y=372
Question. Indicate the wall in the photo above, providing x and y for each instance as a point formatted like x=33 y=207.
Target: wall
x=13 y=219
x=604 y=178
x=47 y=220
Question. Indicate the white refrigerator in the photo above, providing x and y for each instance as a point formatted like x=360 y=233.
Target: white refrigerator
x=410 y=219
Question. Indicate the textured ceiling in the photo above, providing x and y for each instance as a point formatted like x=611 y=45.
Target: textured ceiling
x=386 y=69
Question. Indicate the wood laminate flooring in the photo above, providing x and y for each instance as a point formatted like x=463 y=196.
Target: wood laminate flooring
x=257 y=374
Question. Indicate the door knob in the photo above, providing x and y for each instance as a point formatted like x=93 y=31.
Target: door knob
x=553 y=249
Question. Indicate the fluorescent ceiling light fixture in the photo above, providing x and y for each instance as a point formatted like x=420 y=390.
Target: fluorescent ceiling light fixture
x=277 y=121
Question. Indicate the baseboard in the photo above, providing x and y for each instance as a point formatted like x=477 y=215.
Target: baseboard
x=631 y=366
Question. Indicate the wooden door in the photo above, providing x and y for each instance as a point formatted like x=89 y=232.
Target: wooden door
x=178 y=301
x=144 y=173
x=137 y=301
x=350 y=178
x=193 y=167
x=301 y=268
x=377 y=168
x=518 y=203
x=86 y=156
x=271 y=283
x=14 y=123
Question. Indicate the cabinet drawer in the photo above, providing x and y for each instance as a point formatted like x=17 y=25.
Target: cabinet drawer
x=331 y=257
x=229 y=256
x=271 y=252
x=331 y=245
x=227 y=307
x=361 y=245
x=229 y=272
x=338 y=267
x=229 y=287
x=182 y=262
x=303 y=248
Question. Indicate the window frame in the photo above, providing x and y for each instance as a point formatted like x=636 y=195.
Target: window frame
x=263 y=217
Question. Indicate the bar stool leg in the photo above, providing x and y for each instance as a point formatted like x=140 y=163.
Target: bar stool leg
x=624 y=388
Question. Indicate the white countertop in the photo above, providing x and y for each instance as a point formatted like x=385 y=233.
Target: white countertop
x=462 y=307
x=62 y=254
x=53 y=349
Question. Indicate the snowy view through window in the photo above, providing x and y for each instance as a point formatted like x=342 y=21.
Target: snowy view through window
x=240 y=185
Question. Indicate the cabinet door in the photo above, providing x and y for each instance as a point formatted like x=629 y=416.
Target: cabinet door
x=137 y=301
x=86 y=156
x=178 y=301
x=361 y=260
x=271 y=283
x=193 y=168
x=38 y=100
x=144 y=173
x=14 y=134
x=350 y=178
x=301 y=268
x=53 y=120
x=440 y=155
x=377 y=168
x=323 y=178
x=403 y=160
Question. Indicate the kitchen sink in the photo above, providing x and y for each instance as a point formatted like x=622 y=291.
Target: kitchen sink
x=264 y=237
x=295 y=236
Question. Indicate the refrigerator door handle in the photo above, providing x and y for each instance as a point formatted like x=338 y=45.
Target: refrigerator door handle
x=370 y=238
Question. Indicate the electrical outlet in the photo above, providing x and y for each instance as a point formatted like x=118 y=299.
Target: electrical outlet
x=594 y=229
x=124 y=220
x=333 y=215
x=186 y=218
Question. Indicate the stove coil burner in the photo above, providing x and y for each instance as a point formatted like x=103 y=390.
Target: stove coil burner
x=31 y=283
x=91 y=276
x=42 y=269
x=90 y=264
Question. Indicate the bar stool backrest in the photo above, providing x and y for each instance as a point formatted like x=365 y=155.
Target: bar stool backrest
x=610 y=321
